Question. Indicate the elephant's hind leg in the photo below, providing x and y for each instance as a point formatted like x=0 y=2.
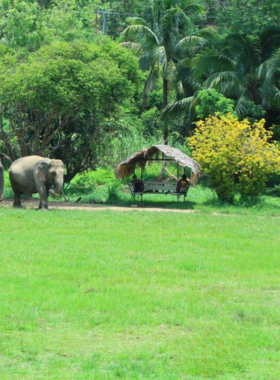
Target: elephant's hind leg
x=17 y=200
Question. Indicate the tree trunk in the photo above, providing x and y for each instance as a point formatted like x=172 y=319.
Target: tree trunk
x=144 y=101
x=165 y=102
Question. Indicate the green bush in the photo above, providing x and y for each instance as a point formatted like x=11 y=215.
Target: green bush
x=210 y=102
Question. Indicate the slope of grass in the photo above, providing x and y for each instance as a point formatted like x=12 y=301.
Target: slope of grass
x=135 y=295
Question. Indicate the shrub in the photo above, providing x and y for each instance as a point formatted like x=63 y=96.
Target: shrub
x=237 y=155
x=210 y=102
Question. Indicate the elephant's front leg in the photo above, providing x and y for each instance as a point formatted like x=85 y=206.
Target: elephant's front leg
x=42 y=190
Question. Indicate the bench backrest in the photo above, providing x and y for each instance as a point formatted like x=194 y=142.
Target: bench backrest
x=161 y=186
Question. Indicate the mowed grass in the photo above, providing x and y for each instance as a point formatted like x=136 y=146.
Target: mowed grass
x=139 y=295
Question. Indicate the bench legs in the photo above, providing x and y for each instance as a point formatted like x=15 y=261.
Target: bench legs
x=134 y=195
x=137 y=194
x=141 y=195
x=183 y=194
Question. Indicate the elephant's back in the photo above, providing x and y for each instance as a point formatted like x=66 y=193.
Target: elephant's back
x=25 y=164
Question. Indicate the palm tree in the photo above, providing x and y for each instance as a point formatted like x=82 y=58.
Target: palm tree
x=189 y=75
x=268 y=71
x=241 y=68
x=157 y=41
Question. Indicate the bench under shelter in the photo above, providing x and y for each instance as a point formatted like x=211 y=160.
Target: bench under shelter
x=162 y=154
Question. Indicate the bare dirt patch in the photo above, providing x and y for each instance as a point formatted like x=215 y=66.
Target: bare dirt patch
x=34 y=203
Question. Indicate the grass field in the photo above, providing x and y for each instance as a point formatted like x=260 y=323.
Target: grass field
x=137 y=295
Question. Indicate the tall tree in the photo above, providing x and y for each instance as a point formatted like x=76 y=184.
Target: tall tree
x=61 y=91
x=156 y=40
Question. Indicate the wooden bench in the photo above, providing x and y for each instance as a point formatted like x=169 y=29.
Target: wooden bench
x=159 y=188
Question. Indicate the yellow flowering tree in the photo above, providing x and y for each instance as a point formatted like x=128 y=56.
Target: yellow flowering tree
x=237 y=155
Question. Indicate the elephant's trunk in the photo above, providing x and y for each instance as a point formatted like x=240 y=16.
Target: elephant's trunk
x=58 y=185
x=1 y=181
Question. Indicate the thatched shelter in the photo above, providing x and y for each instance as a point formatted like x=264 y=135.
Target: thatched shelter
x=157 y=152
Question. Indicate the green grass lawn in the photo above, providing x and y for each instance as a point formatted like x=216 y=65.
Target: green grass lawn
x=137 y=295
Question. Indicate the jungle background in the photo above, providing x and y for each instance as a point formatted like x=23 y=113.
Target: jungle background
x=91 y=82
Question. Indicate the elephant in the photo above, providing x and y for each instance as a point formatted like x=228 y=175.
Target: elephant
x=35 y=174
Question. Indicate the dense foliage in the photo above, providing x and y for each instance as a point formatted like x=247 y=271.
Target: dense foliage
x=60 y=98
x=69 y=92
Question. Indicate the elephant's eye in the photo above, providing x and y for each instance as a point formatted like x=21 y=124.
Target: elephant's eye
x=53 y=174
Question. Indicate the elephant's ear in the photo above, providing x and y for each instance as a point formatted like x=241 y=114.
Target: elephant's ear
x=42 y=169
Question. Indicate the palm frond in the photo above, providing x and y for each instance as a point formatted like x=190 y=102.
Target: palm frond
x=147 y=60
x=210 y=62
x=191 y=41
x=245 y=51
x=161 y=56
x=242 y=104
x=180 y=88
x=209 y=33
x=171 y=72
x=141 y=31
x=270 y=41
x=231 y=88
x=268 y=68
x=186 y=62
x=134 y=46
x=218 y=79
x=192 y=8
x=176 y=108
x=275 y=93
x=135 y=21
x=266 y=71
x=151 y=81
x=270 y=93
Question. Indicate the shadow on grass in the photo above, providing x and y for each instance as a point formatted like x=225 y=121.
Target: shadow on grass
x=150 y=201
x=187 y=205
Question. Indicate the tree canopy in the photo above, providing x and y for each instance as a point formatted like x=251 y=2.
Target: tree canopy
x=44 y=93
x=70 y=92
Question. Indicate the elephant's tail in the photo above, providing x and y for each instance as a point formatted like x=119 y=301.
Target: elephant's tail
x=1 y=181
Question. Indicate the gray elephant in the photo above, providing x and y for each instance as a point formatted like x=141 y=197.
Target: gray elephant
x=35 y=174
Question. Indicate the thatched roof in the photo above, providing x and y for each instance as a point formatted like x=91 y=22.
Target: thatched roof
x=127 y=168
